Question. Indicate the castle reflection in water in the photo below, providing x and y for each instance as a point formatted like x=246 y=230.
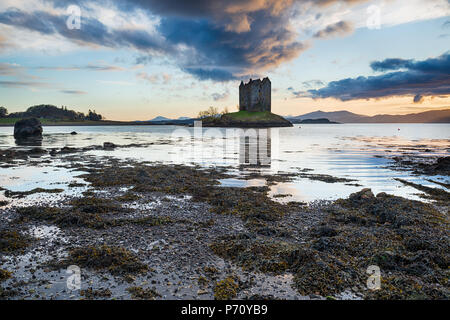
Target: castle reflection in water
x=255 y=148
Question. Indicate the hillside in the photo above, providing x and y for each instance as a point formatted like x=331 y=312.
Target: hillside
x=433 y=116
x=51 y=112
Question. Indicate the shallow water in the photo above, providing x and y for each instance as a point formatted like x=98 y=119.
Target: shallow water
x=352 y=151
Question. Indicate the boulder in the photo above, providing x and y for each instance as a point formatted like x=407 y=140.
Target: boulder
x=443 y=164
x=108 y=145
x=364 y=194
x=28 y=128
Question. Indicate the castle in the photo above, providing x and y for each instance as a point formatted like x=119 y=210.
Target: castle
x=255 y=95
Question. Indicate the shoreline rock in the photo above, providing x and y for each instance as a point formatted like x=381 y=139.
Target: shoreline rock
x=28 y=128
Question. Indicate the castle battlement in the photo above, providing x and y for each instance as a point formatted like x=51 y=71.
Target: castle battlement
x=255 y=95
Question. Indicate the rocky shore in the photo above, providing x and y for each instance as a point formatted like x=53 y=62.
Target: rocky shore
x=153 y=231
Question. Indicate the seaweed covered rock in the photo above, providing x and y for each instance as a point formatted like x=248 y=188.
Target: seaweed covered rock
x=143 y=293
x=408 y=241
x=28 y=128
x=364 y=194
x=443 y=165
x=13 y=241
x=440 y=165
x=117 y=260
x=257 y=254
x=226 y=289
x=4 y=275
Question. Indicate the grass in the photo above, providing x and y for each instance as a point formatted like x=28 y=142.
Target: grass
x=8 y=120
x=247 y=115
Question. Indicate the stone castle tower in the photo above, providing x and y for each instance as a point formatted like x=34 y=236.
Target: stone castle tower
x=255 y=95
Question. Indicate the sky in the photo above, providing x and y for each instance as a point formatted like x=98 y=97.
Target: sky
x=136 y=59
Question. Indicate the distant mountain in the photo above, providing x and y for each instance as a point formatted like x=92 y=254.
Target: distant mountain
x=434 y=116
x=338 y=116
x=160 y=118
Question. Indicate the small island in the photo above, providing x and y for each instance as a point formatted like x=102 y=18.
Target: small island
x=315 y=121
x=247 y=119
x=254 y=109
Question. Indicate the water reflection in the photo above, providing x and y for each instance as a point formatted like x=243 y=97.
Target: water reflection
x=353 y=151
x=255 y=148
x=31 y=141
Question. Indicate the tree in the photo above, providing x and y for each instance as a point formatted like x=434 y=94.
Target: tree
x=225 y=110
x=93 y=116
x=3 y=112
x=211 y=112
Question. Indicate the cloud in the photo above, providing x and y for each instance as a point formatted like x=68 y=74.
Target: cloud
x=166 y=78
x=305 y=85
x=9 y=69
x=3 y=42
x=419 y=78
x=92 y=31
x=239 y=23
x=142 y=59
x=219 y=54
x=115 y=82
x=210 y=39
x=216 y=40
x=440 y=64
x=390 y=64
x=163 y=78
x=88 y=67
x=76 y=92
x=220 y=96
x=21 y=84
x=152 y=78
x=312 y=83
x=418 y=98
x=210 y=74
x=300 y=94
x=340 y=28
